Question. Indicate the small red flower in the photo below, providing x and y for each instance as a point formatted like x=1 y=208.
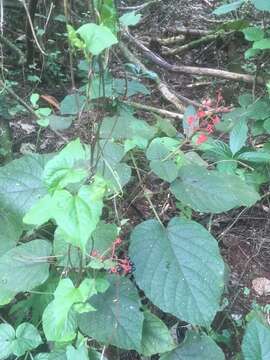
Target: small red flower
x=201 y=139
x=191 y=120
x=118 y=241
x=215 y=120
x=201 y=114
x=210 y=128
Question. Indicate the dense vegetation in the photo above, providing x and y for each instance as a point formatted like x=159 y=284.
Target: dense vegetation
x=114 y=187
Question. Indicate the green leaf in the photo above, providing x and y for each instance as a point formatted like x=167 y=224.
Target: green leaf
x=238 y=136
x=69 y=166
x=78 y=215
x=95 y=355
x=24 y=339
x=60 y=123
x=263 y=44
x=72 y=104
x=54 y=355
x=59 y=319
x=253 y=33
x=210 y=191
x=161 y=162
x=250 y=53
x=7 y=335
x=188 y=129
x=34 y=99
x=196 y=347
x=259 y=110
x=256 y=342
x=119 y=309
x=21 y=184
x=77 y=354
x=255 y=156
x=25 y=266
x=156 y=338
x=96 y=37
x=266 y=125
x=130 y=18
x=262 y=5
x=11 y=230
x=27 y=338
x=165 y=126
x=179 y=268
x=103 y=236
x=225 y=9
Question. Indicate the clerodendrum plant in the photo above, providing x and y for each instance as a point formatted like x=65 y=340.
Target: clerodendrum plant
x=79 y=284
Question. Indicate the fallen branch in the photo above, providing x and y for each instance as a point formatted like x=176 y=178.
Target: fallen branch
x=187 y=31
x=193 y=44
x=153 y=109
x=162 y=87
x=171 y=40
x=192 y=70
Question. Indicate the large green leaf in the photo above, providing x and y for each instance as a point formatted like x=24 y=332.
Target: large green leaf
x=224 y=9
x=263 y=5
x=27 y=338
x=96 y=37
x=196 y=347
x=117 y=319
x=59 y=319
x=179 y=268
x=261 y=156
x=7 y=335
x=18 y=342
x=156 y=338
x=253 y=33
x=67 y=167
x=26 y=266
x=81 y=353
x=21 y=184
x=256 y=342
x=238 y=136
x=11 y=230
x=211 y=191
x=72 y=104
x=103 y=236
x=161 y=153
x=263 y=44
x=130 y=18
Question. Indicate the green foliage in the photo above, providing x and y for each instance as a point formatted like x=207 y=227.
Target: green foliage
x=195 y=347
x=174 y=271
x=26 y=337
x=256 y=342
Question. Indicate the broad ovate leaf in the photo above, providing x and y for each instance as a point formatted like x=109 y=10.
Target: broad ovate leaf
x=27 y=338
x=196 y=347
x=238 y=136
x=96 y=37
x=59 y=319
x=21 y=184
x=25 y=266
x=263 y=5
x=11 y=230
x=211 y=191
x=179 y=268
x=117 y=320
x=256 y=342
x=67 y=167
x=131 y=18
x=156 y=337
x=78 y=215
x=7 y=335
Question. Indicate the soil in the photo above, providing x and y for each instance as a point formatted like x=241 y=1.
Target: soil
x=243 y=234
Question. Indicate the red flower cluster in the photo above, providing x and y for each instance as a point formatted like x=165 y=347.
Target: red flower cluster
x=121 y=266
x=206 y=119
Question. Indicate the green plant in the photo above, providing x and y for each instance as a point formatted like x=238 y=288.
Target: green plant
x=75 y=273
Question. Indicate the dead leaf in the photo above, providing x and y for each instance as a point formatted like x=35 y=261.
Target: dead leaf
x=51 y=100
x=261 y=286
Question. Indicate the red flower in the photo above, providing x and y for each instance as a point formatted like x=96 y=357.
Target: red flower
x=210 y=128
x=201 y=139
x=201 y=114
x=118 y=241
x=191 y=120
x=215 y=120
